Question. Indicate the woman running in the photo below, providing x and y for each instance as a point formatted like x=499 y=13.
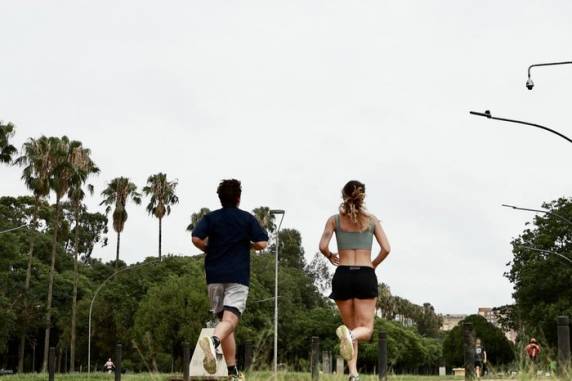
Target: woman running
x=354 y=285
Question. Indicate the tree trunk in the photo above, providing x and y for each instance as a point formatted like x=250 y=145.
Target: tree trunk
x=74 y=300
x=51 y=287
x=22 y=347
x=160 y=228
x=117 y=251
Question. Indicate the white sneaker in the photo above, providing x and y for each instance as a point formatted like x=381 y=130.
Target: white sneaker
x=346 y=342
x=209 y=362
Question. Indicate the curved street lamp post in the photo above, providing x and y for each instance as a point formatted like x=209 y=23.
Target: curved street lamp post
x=487 y=114
x=91 y=307
x=530 y=83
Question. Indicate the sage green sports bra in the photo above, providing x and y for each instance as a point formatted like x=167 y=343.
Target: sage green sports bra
x=354 y=240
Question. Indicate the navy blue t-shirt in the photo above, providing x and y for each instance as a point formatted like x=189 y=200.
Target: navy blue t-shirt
x=230 y=232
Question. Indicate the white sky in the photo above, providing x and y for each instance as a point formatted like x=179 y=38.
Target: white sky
x=294 y=98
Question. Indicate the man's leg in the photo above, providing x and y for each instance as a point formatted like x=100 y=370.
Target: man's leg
x=235 y=296
x=224 y=331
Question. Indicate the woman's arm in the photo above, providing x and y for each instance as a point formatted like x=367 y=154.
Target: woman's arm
x=383 y=243
x=325 y=242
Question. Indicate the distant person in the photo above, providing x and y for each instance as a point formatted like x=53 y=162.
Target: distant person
x=109 y=365
x=480 y=358
x=354 y=285
x=533 y=350
x=226 y=237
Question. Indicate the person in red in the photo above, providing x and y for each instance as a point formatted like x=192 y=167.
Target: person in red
x=533 y=350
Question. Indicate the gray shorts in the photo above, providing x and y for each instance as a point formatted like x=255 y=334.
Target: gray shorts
x=227 y=297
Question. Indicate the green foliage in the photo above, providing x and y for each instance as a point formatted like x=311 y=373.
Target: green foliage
x=152 y=307
x=196 y=217
x=499 y=350
x=161 y=194
x=408 y=351
x=541 y=280
x=117 y=193
x=7 y=150
x=265 y=218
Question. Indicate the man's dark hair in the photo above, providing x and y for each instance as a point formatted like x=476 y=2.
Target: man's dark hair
x=229 y=192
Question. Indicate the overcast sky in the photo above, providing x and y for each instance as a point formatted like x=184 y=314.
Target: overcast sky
x=294 y=98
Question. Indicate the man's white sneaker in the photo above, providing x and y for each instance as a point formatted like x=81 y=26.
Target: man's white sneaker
x=209 y=362
x=346 y=342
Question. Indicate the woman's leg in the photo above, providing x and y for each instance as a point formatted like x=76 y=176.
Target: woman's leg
x=364 y=313
x=346 y=308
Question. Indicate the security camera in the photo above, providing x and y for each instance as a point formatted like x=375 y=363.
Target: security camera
x=529 y=84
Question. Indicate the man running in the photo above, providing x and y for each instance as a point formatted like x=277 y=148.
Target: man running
x=226 y=237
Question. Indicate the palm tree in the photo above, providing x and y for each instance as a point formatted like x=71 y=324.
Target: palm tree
x=265 y=218
x=163 y=195
x=84 y=167
x=118 y=191
x=66 y=157
x=38 y=167
x=7 y=151
x=196 y=217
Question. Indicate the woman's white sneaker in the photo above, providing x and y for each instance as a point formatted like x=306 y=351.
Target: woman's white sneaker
x=346 y=342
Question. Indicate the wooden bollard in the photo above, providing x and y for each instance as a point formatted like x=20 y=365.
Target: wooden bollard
x=51 y=363
x=315 y=358
x=326 y=362
x=248 y=355
x=340 y=366
x=186 y=360
x=469 y=350
x=563 y=344
x=118 y=362
x=382 y=356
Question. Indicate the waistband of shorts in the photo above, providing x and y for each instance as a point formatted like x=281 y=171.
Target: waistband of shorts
x=354 y=268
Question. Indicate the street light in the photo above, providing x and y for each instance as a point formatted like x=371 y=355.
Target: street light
x=487 y=114
x=276 y=212
x=539 y=211
x=545 y=252
x=91 y=308
x=529 y=83
x=11 y=230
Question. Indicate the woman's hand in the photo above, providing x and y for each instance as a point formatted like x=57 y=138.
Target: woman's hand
x=334 y=259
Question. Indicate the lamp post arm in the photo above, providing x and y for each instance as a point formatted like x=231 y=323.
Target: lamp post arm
x=545 y=252
x=11 y=230
x=539 y=211
x=489 y=116
x=548 y=64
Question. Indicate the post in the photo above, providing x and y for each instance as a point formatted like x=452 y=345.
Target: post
x=469 y=350
x=186 y=360
x=340 y=365
x=563 y=344
x=247 y=355
x=315 y=358
x=326 y=368
x=382 y=355
x=118 y=362
x=275 y=362
x=51 y=363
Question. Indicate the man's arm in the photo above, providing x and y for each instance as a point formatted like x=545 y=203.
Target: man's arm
x=201 y=244
x=260 y=245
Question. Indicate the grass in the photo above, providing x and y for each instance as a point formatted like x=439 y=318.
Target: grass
x=256 y=376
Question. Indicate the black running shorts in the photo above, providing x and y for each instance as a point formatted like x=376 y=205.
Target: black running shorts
x=351 y=282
